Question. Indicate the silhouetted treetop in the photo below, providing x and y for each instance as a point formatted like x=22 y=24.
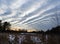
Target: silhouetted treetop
x=4 y=26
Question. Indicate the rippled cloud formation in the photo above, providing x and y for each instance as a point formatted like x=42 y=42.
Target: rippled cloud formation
x=37 y=14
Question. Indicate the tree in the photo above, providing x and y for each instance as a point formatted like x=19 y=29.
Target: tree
x=0 y=25
x=6 y=26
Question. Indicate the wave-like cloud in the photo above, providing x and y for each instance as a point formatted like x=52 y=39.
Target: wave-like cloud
x=39 y=14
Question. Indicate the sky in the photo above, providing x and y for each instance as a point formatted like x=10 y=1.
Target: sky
x=31 y=14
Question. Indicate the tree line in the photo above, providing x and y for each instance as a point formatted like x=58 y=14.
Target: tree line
x=55 y=30
x=5 y=26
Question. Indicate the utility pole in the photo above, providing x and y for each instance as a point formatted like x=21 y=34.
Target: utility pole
x=57 y=17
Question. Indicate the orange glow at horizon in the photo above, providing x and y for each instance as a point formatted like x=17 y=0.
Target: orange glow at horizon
x=17 y=29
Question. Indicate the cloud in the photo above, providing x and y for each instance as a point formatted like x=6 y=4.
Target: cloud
x=42 y=17
x=38 y=14
x=17 y=4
